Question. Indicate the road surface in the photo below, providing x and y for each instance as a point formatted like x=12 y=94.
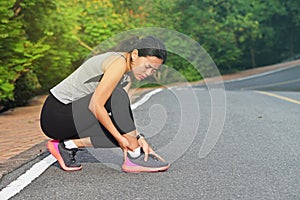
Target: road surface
x=254 y=156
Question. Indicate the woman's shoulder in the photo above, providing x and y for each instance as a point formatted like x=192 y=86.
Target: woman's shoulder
x=103 y=58
x=109 y=54
x=113 y=58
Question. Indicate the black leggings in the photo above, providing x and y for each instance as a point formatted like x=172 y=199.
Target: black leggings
x=73 y=121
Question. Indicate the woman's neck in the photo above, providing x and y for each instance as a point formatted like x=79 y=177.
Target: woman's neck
x=128 y=61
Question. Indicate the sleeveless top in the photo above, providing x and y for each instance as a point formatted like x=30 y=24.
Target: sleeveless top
x=84 y=80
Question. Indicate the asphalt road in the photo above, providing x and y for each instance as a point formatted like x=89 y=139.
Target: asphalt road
x=286 y=79
x=254 y=155
x=281 y=80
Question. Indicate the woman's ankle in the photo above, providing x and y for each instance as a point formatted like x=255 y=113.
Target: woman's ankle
x=83 y=142
x=132 y=141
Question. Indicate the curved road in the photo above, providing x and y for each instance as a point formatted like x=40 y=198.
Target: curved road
x=256 y=156
x=287 y=79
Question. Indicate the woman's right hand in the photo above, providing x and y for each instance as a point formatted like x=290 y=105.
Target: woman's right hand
x=124 y=144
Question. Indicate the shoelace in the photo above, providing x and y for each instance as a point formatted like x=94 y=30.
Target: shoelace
x=154 y=157
x=72 y=154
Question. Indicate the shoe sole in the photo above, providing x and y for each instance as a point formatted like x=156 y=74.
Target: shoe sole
x=130 y=167
x=138 y=169
x=54 y=151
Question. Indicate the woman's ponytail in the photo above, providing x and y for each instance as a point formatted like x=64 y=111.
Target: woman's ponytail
x=126 y=45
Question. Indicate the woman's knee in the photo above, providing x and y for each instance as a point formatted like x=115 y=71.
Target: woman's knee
x=120 y=95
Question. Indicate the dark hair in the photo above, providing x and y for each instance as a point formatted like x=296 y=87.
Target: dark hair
x=147 y=46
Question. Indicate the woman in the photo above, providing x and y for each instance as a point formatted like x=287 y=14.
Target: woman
x=91 y=107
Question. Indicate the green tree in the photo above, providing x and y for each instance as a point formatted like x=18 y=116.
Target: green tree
x=100 y=20
x=53 y=23
x=262 y=49
x=43 y=41
x=17 y=57
x=203 y=22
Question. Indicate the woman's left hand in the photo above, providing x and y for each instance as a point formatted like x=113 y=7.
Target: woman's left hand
x=148 y=149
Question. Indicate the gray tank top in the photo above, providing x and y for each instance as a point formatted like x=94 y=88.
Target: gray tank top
x=84 y=80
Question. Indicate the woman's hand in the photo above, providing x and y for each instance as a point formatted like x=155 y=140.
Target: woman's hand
x=148 y=149
x=124 y=144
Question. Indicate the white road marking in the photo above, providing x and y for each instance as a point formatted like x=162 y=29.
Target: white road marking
x=145 y=98
x=25 y=179
x=261 y=74
x=37 y=169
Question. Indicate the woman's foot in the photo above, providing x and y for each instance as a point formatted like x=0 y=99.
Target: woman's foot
x=64 y=156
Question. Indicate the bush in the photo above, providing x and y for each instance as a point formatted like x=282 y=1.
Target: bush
x=25 y=88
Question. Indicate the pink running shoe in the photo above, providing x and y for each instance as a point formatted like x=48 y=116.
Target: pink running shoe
x=138 y=164
x=65 y=157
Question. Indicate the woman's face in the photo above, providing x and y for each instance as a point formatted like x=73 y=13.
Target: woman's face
x=143 y=67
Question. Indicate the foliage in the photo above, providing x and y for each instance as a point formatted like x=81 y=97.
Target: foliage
x=43 y=41
x=17 y=55
x=53 y=23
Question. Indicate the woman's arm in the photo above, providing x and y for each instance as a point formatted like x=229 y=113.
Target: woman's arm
x=112 y=75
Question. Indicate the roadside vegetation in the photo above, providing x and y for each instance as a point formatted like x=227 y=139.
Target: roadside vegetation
x=43 y=41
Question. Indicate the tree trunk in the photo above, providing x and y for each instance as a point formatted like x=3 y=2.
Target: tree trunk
x=292 y=41
x=253 y=62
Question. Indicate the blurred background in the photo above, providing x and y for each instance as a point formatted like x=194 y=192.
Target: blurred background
x=43 y=41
